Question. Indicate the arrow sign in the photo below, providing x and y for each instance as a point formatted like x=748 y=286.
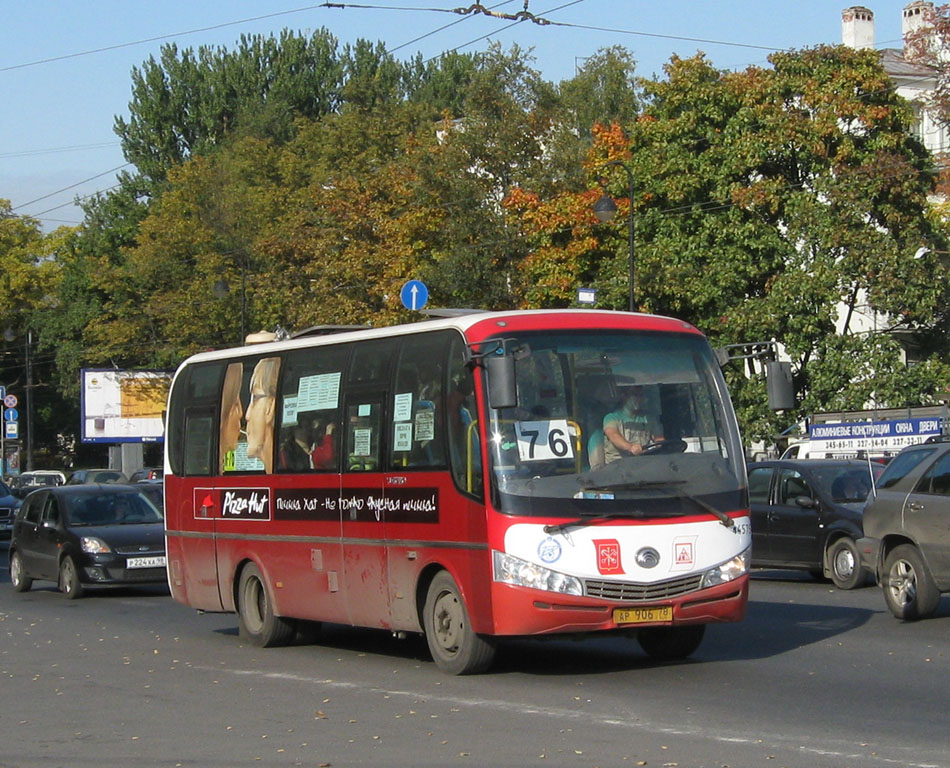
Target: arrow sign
x=414 y=295
x=10 y=414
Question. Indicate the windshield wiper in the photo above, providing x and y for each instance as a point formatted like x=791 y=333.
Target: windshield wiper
x=721 y=516
x=632 y=485
x=585 y=521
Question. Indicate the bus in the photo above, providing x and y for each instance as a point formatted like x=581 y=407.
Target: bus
x=471 y=478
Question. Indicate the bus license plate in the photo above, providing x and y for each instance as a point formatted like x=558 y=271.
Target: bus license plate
x=643 y=615
x=157 y=561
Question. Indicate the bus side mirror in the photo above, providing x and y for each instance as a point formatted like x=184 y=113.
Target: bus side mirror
x=502 y=389
x=781 y=389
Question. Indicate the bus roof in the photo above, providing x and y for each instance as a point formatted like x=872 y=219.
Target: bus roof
x=475 y=325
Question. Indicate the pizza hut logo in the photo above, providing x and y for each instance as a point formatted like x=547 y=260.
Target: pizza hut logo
x=608 y=556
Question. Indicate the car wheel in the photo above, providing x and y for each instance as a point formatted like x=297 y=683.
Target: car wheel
x=257 y=623
x=671 y=643
x=844 y=562
x=21 y=582
x=909 y=589
x=455 y=648
x=69 y=579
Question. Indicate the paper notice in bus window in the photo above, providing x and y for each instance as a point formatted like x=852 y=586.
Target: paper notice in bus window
x=402 y=437
x=318 y=393
x=425 y=425
x=289 y=415
x=402 y=407
x=362 y=442
x=243 y=463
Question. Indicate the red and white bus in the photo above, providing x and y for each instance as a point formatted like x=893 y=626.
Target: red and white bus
x=487 y=475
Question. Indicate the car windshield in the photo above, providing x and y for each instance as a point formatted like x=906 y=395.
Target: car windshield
x=603 y=418
x=848 y=484
x=111 y=509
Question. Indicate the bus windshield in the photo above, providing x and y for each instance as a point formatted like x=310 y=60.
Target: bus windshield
x=606 y=418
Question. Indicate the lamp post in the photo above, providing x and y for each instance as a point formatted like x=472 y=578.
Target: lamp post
x=221 y=289
x=605 y=209
x=9 y=335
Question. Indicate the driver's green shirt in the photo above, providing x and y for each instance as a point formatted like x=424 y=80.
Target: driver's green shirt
x=635 y=427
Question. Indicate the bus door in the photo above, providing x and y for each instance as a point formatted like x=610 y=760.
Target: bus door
x=363 y=513
x=419 y=489
x=191 y=507
x=362 y=506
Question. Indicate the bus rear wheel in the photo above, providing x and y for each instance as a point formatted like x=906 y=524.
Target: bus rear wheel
x=455 y=648
x=256 y=620
x=671 y=643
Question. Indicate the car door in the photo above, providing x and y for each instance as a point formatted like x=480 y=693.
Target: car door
x=48 y=538
x=760 y=483
x=26 y=528
x=927 y=518
x=794 y=526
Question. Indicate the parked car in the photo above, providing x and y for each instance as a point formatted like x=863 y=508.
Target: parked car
x=146 y=473
x=81 y=476
x=83 y=536
x=28 y=481
x=806 y=514
x=906 y=542
x=9 y=504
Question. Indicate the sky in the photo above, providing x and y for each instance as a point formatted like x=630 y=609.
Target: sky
x=65 y=66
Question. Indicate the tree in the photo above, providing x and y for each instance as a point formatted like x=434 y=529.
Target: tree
x=779 y=204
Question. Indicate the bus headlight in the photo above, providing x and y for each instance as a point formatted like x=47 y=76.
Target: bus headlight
x=729 y=570
x=513 y=570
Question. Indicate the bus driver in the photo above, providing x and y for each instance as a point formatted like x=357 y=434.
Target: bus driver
x=630 y=428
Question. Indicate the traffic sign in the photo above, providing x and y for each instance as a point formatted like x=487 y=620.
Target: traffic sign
x=11 y=414
x=12 y=430
x=3 y=391
x=10 y=401
x=414 y=295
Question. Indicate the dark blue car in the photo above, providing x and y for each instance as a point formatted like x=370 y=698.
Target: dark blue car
x=9 y=504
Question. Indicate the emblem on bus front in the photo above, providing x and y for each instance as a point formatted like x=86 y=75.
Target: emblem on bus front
x=549 y=550
x=648 y=557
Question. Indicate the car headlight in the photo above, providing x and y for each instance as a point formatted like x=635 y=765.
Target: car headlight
x=729 y=570
x=93 y=546
x=513 y=570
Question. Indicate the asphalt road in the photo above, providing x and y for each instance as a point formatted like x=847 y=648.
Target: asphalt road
x=813 y=677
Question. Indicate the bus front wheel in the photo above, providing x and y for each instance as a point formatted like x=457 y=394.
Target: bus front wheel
x=258 y=625
x=455 y=648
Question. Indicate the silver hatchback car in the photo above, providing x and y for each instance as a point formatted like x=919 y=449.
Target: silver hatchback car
x=906 y=541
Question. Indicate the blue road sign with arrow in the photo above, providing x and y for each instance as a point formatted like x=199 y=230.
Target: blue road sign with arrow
x=414 y=294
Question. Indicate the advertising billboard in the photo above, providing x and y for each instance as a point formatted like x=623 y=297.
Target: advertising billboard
x=124 y=406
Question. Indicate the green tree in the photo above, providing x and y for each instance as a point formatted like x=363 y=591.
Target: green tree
x=783 y=203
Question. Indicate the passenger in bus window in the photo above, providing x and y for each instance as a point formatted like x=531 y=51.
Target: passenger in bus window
x=260 y=412
x=232 y=411
x=629 y=428
x=295 y=449
x=323 y=453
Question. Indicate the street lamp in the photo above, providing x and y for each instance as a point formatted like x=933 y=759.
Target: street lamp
x=221 y=289
x=605 y=209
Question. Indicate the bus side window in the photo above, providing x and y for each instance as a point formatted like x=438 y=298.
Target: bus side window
x=461 y=415
x=199 y=426
x=418 y=404
x=308 y=409
x=189 y=433
x=364 y=421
